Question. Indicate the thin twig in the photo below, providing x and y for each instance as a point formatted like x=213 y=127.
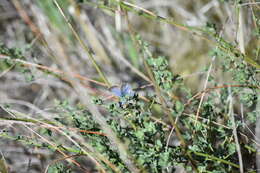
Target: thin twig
x=84 y=46
x=205 y=86
x=231 y=115
x=42 y=67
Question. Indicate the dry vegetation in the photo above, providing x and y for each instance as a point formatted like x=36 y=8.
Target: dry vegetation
x=74 y=50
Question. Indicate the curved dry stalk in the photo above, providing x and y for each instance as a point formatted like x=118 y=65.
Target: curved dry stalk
x=84 y=46
x=42 y=67
x=231 y=115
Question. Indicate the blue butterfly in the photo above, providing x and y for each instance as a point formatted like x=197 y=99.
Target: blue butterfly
x=124 y=90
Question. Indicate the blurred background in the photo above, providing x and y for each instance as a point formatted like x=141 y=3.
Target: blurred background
x=39 y=30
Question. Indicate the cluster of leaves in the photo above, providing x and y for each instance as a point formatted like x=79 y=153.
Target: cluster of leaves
x=211 y=140
x=14 y=54
x=82 y=119
x=243 y=74
x=59 y=168
x=145 y=138
x=214 y=145
x=131 y=120
x=162 y=75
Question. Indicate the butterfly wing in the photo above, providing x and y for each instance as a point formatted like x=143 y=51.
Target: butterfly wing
x=116 y=91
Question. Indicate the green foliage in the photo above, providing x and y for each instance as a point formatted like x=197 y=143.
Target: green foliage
x=145 y=138
x=211 y=146
x=163 y=77
x=13 y=53
x=58 y=168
